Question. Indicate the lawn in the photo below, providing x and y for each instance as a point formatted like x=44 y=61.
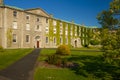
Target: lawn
x=74 y=52
x=58 y=74
x=9 y=56
x=83 y=57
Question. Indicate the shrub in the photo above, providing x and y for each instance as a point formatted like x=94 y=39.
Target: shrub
x=63 y=50
x=54 y=59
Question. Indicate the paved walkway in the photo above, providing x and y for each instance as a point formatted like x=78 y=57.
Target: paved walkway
x=22 y=69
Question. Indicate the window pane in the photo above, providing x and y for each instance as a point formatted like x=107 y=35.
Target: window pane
x=27 y=26
x=46 y=20
x=27 y=38
x=46 y=39
x=27 y=17
x=14 y=25
x=14 y=38
x=15 y=13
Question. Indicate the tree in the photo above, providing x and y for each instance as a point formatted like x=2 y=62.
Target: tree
x=95 y=40
x=115 y=6
x=106 y=19
x=115 y=9
x=110 y=34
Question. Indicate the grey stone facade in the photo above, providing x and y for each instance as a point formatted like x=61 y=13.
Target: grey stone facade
x=21 y=28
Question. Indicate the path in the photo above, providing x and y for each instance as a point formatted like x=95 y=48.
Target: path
x=22 y=69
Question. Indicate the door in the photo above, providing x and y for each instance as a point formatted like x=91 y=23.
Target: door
x=37 y=44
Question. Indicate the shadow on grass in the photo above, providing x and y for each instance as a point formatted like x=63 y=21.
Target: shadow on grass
x=94 y=66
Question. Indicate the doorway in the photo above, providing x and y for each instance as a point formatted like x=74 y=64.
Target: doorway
x=38 y=44
x=75 y=43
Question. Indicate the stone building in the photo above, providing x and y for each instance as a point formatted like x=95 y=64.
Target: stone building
x=34 y=28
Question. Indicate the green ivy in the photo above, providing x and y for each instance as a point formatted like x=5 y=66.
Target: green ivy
x=69 y=36
x=64 y=24
x=58 y=33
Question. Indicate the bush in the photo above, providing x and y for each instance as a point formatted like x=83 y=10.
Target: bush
x=63 y=50
x=54 y=59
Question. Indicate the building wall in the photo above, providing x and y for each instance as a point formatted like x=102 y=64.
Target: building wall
x=42 y=30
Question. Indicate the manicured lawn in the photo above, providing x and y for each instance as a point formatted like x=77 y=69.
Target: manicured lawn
x=74 y=52
x=88 y=58
x=44 y=53
x=58 y=74
x=9 y=56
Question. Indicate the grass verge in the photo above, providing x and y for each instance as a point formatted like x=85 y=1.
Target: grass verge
x=9 y=56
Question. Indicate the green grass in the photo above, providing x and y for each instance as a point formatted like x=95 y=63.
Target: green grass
x=91 y=53
x=44 y=53
x=83 y=48
x=67 y=74
x=9 y=56
x=74 y=52
x=57 y=74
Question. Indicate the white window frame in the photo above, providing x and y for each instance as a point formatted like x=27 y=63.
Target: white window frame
x=54 y=40
x=27 y=17
x=14 y=38
x=54 y=23
x=28 y=38
x=15 y=25
x=27 y=26
x=47 y=40
x=47 y=29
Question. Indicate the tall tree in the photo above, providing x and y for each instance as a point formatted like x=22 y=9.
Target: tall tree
x=106 y=19
x=110 y=38
x=115 y=6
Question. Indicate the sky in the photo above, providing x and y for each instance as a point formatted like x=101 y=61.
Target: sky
x=82 y=12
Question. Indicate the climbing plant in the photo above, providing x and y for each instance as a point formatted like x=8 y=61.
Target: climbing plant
x=9 y=37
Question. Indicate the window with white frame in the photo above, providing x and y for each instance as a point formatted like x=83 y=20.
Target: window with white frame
x=14 y=38
x=66 y=29
x=27 y=38
x=27 y=26
x=61 y=24
x=15 y=14
x=60 y=40
x=61 y=28
x=47 y=40
x=46 y=20
x=75 y=30
x=54 y=30
x=38 y=19
x=66 y=32
x=54 y=40
x=14 y=25
x=47 y=29
x=38 y=28
x=28 y=17
x=54 y=23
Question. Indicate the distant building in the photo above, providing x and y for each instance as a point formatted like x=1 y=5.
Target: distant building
x=34 y=28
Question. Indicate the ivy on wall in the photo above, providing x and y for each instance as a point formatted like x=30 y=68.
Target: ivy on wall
x=64 y=41
x=69 y=36
x=51 y=30
x=58 y=32
x=84 y=34
x=9 y=37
